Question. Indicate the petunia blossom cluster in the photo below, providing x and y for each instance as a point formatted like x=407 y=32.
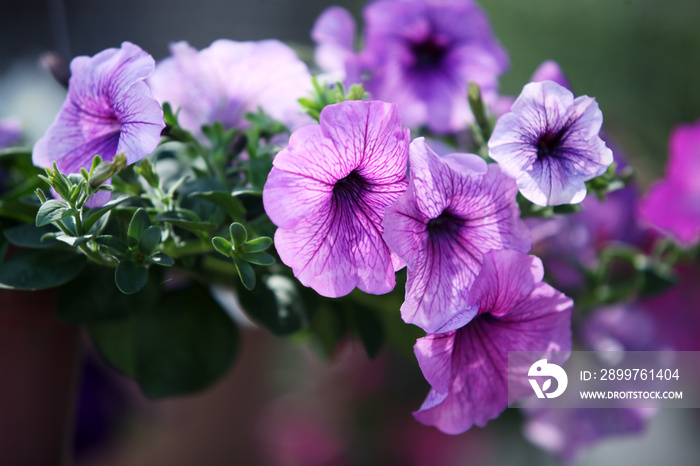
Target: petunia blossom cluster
x=417 y=177
x=349 y=216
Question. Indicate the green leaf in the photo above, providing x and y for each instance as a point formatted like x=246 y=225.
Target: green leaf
x=258 y=258
x=96 y=214
x=307 y=103
x=93 y=298
x=130 y=277
x=145 y=170
x=222 y=245
x=115 y=342
x=249 y=192
x=52 y=211
x=186 y=220
x=168 y=115
x=258 y=169
x=18 y=210
x=74 y=241
x=30 y=236
x=162 y=259
x=97 y=227
x=182 y=346
x=232 y=206
x=38 y=269
x=238 y=234
x=257 y=244
x=149 y=240
x=246 y=272
x=279 y=304
x=139 y=223
x=567 y=208
x=112 y=242
x=479 y=110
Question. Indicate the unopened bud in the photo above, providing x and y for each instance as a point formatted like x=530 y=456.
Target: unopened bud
x=107 y=170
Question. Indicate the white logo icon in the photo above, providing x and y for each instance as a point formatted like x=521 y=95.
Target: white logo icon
x=543 y=369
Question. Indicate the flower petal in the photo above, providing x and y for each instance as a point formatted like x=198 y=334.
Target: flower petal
x=228 y=79
x=550 y=144
x=441 y=228
x=109 y=109
x=468 y=367
x=334 y=34
x=328 y=192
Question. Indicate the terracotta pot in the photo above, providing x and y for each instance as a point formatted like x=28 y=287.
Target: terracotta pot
x=38 y=369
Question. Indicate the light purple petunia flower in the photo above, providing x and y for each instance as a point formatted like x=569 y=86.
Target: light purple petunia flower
x=327 y=193
x=228 y=79
x=550 y=144
x=673 y=204
x=455 y=210
x=467 y=368
x=109 y=110
x=420 y=55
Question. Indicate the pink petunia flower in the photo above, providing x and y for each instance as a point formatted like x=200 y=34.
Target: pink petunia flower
x=467 y=368
x=673 y=204
x=327 y=193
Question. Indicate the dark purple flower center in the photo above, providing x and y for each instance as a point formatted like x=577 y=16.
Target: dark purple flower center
x=549 y=143
x=350 y=189
x=445 y=224
x=428 y=54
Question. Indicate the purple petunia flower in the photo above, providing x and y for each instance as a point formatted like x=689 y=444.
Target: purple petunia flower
x=228 y=79
x=673 y=204
x=549 y=143
x=420 y=55
x=566 y=432
x=455 y=210
x=334 y=33
x=675 y=313
x=10 y=132
x=327 y=193
x=109 y=110
x=467 y=368
x=549 y=70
